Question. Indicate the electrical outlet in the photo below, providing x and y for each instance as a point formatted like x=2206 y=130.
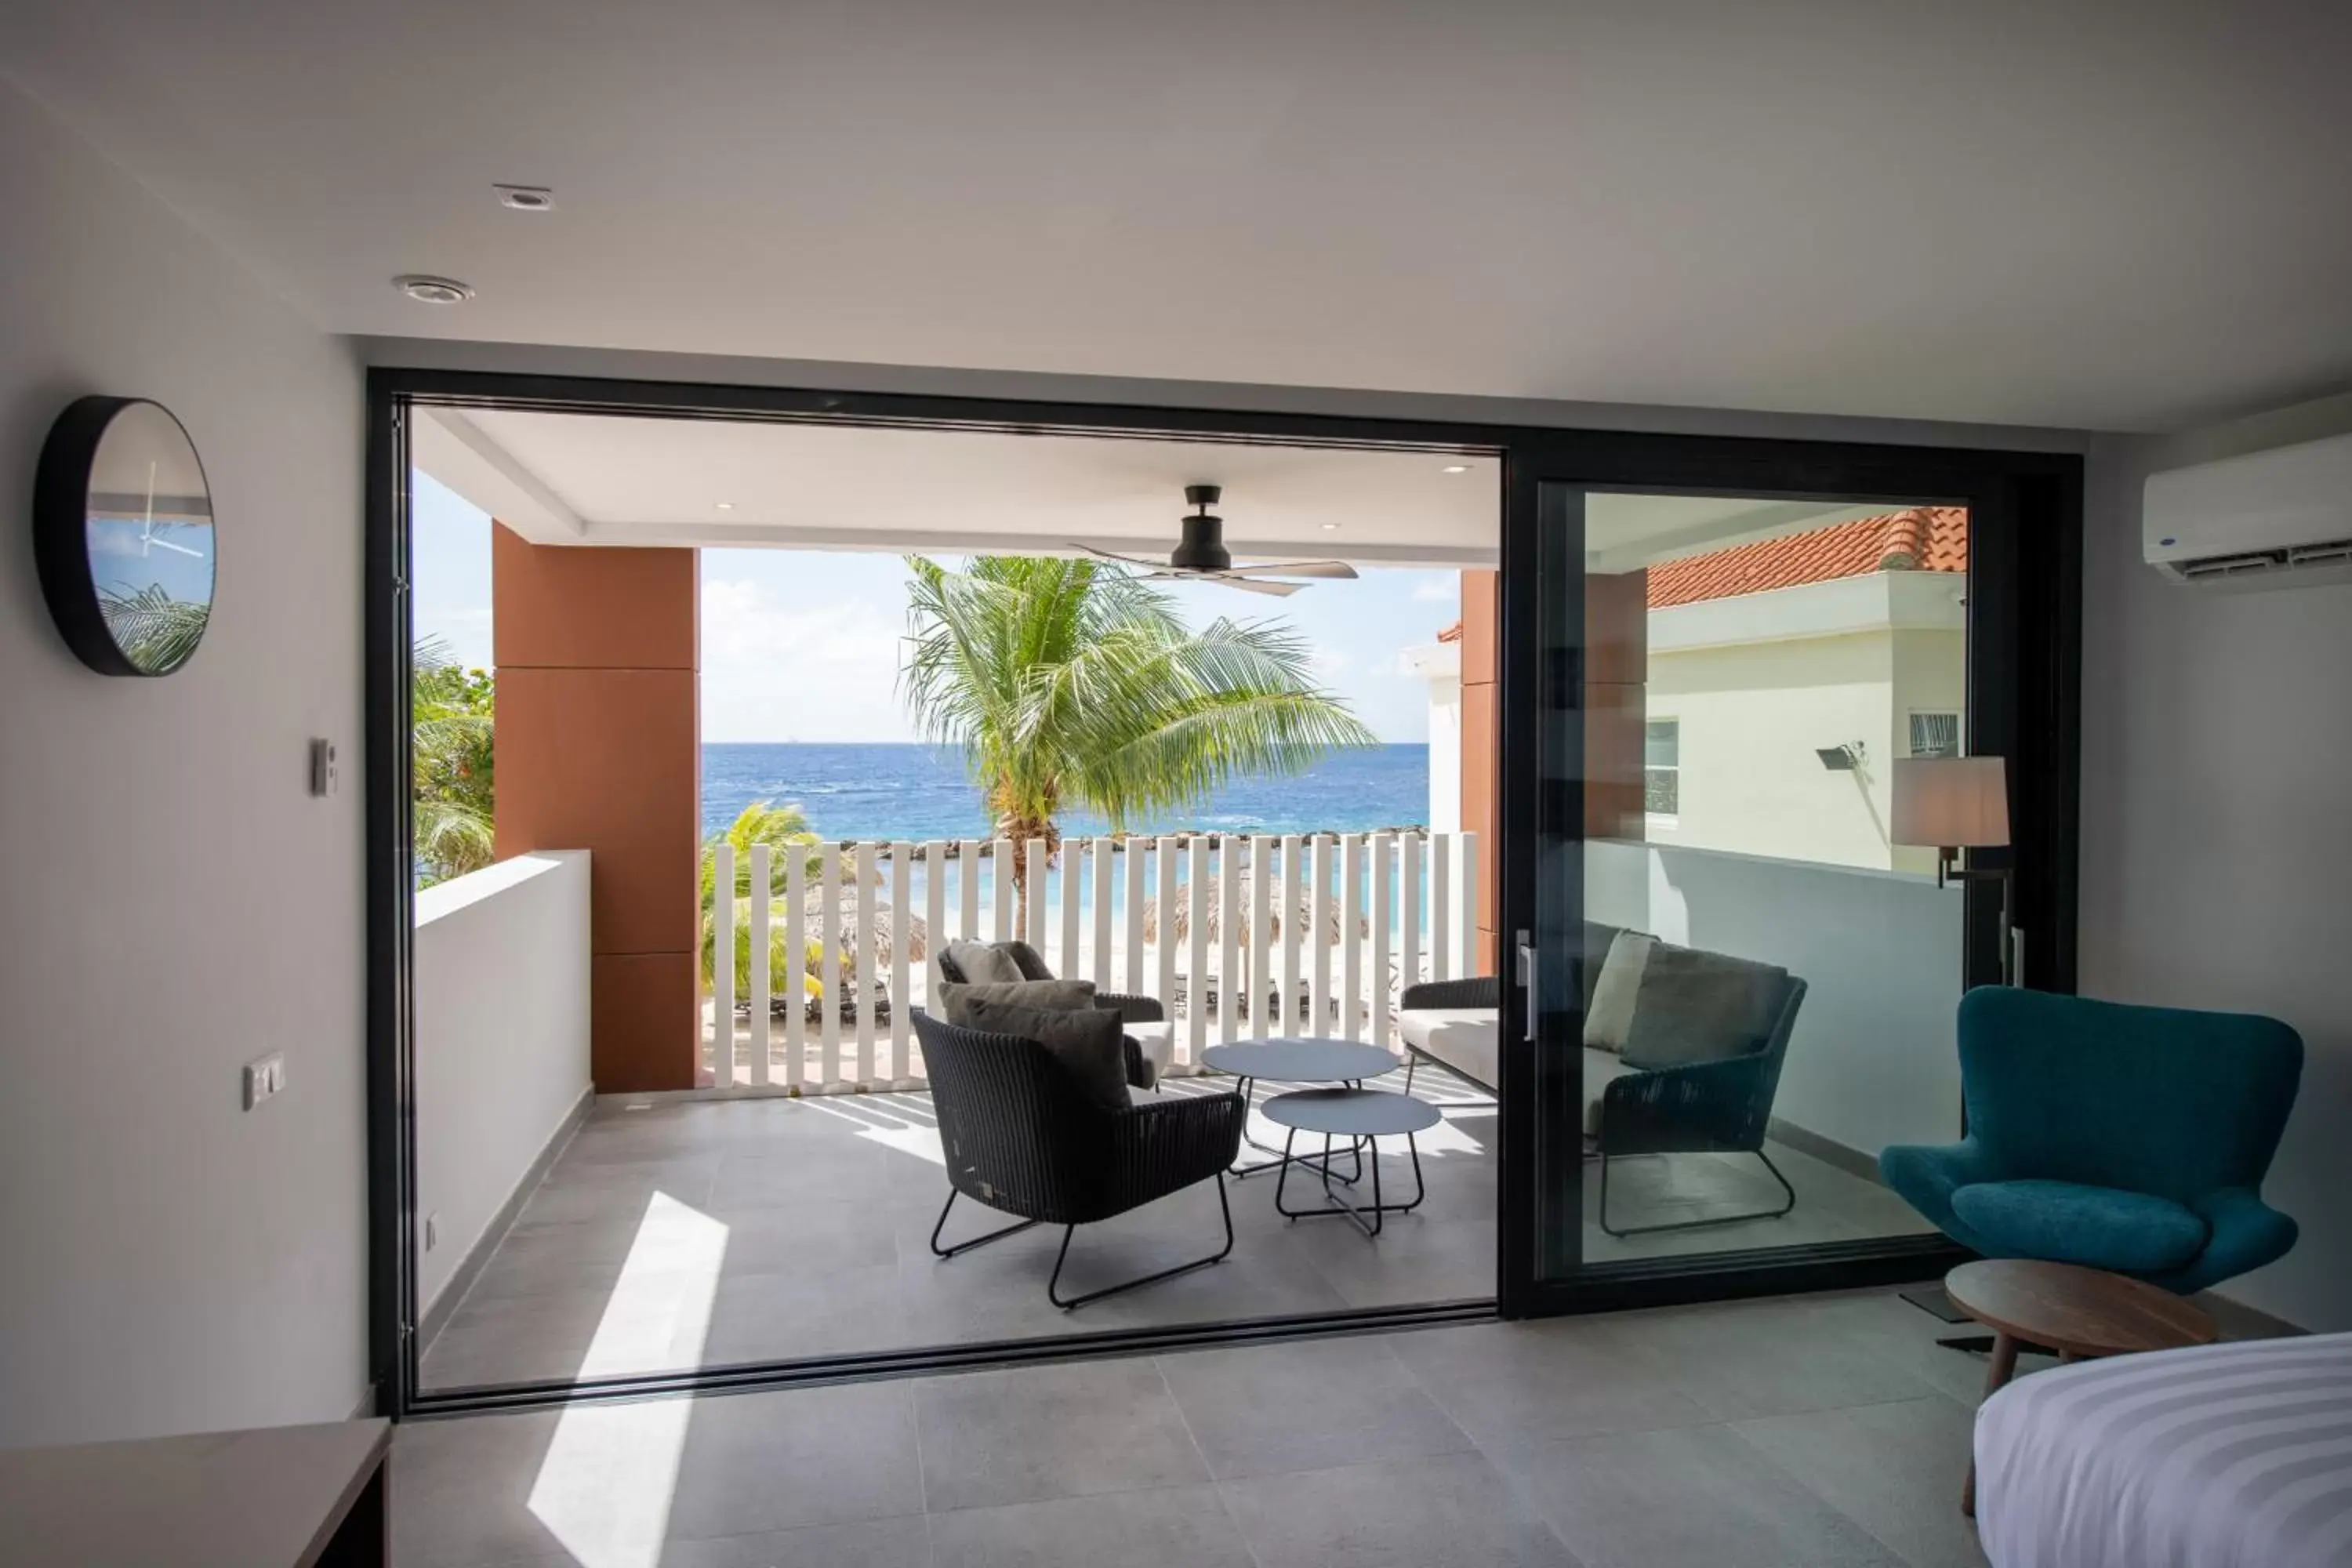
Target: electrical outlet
x=432 y=1231
x=326 y=776
x=264 y=1078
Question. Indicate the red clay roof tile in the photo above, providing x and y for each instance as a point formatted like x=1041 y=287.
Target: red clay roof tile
x=1923 y=539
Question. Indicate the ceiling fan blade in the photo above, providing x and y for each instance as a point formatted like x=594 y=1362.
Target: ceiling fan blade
x=1251 y=584
x=1299 y=568
x=1122 y=560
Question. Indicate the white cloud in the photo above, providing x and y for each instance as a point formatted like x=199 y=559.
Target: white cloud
x=1439 y=588
x=744 y=624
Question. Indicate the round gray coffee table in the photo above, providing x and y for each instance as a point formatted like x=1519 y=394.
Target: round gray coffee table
x=1359 y=1115
x=1297 y=1060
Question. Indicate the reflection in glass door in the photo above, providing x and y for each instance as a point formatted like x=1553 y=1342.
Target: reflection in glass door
x=1740 y=981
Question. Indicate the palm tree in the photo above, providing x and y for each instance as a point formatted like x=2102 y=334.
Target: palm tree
x=1069 y=683
x=783 y=828
x=155 y=631
x=452 y=770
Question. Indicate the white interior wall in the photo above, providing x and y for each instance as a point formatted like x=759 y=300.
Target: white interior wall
x=176 y=903
x=1874 y=1059
x=2217 y=859
x=500 y=970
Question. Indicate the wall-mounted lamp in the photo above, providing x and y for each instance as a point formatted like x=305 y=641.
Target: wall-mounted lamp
x=1846 y=758
x=1951 y=804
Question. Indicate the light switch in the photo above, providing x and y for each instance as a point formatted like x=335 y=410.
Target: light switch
x=325 y=776
x=264 y=1077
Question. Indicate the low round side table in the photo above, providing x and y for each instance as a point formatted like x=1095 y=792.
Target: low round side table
x=1359 y=1115
x=1293 y=1059
x=2081 y=1313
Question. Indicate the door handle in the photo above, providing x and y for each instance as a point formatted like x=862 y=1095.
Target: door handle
x=1527 y=979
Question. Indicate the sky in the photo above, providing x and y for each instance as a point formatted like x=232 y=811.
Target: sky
x=804 y=645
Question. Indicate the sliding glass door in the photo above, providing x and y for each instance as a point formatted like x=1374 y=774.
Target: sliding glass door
x=1732 y=974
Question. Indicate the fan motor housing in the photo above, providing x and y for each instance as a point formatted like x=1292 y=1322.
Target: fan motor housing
x=1203 y=548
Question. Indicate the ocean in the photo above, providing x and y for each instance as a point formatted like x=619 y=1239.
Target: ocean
x=918 y=792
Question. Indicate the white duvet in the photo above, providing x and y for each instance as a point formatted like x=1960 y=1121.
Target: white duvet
x=2232 y=1456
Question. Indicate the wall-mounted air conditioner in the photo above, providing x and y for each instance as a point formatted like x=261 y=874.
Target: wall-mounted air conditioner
x=2280 y=518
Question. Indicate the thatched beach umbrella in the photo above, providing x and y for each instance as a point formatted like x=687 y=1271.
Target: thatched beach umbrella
x=882 y=931
x=1300 y=917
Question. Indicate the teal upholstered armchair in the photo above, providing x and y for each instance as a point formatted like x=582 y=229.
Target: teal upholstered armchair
x=2130 y=1139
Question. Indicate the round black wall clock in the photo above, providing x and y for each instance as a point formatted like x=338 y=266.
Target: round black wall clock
x=122 y=534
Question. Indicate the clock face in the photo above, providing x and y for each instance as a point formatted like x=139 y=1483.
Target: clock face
x=149 y=522
x=123 y=534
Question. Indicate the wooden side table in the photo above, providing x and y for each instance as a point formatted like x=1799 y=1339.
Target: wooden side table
x=2081 y=1313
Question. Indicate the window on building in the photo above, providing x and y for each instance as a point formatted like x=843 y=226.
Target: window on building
x=1662 y=771
x=1934 y=735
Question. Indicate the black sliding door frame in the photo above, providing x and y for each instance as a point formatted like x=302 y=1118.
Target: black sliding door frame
x=2023 y=703
x=1528 y=456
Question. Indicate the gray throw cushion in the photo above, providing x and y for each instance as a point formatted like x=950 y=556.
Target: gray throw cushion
x=1697 y=1006
x=1088 y=1044
x=983 y=963
x=1055 y=995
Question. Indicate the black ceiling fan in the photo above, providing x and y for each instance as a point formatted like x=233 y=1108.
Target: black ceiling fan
x=1202 y=556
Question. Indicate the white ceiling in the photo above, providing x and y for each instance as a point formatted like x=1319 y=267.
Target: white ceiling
x=596 y=480
x=2118 y=213
x=563 y=478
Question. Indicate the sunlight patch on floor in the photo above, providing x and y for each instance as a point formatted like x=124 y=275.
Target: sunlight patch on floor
x=604 y=1485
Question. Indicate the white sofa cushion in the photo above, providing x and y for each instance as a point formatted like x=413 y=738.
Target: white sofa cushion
x=1468 y=1040
x=1159 y=1043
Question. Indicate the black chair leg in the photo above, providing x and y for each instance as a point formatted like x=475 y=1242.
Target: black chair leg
x=1697 y=1223
x=1053 y=1284
x=939 y=1251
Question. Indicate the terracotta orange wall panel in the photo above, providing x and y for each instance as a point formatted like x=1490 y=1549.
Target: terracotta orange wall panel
x=598 y=747
x=1617 y=628
x=578 y=606
x=1478 y=780
x=644 y=1017
x=1479 y=738
x=1478 y=626
x=604 y=760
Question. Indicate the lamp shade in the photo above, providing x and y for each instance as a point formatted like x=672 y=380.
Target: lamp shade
x=1951 y=801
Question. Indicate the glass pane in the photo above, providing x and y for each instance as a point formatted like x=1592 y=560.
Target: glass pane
x=1767 y=979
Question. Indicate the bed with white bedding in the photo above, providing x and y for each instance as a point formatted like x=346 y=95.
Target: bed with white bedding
x=2229 y=1456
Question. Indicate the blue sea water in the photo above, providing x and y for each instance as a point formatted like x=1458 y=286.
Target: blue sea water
x=918 y=792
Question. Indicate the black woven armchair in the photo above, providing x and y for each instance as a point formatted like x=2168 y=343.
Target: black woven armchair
x=1701 y=1107
x=1020 y=1136
x=1141 y=1072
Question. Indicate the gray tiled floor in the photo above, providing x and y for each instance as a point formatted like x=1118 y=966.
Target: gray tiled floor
x=1758 y=1435
x=711 y=1232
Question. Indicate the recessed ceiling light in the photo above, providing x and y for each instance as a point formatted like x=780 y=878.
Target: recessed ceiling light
x=432 y=290
x=1331 y=528
x=1455 y=468
x=526 y=198
x=727 y=506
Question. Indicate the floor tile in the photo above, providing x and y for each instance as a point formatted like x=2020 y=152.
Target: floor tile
x=1167 y=1527
x=1895 y=1469
x=1029 y=1434
x=1409 y=1513
x=1312 y=1406
x=798 y=1457
x=1699 y=1495
x=1764 y=1358
x=1533 y=1381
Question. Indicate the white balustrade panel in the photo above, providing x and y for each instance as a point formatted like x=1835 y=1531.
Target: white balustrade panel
x=1314 y=934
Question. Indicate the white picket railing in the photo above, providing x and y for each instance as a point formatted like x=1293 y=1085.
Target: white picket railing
x=1390 y=909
